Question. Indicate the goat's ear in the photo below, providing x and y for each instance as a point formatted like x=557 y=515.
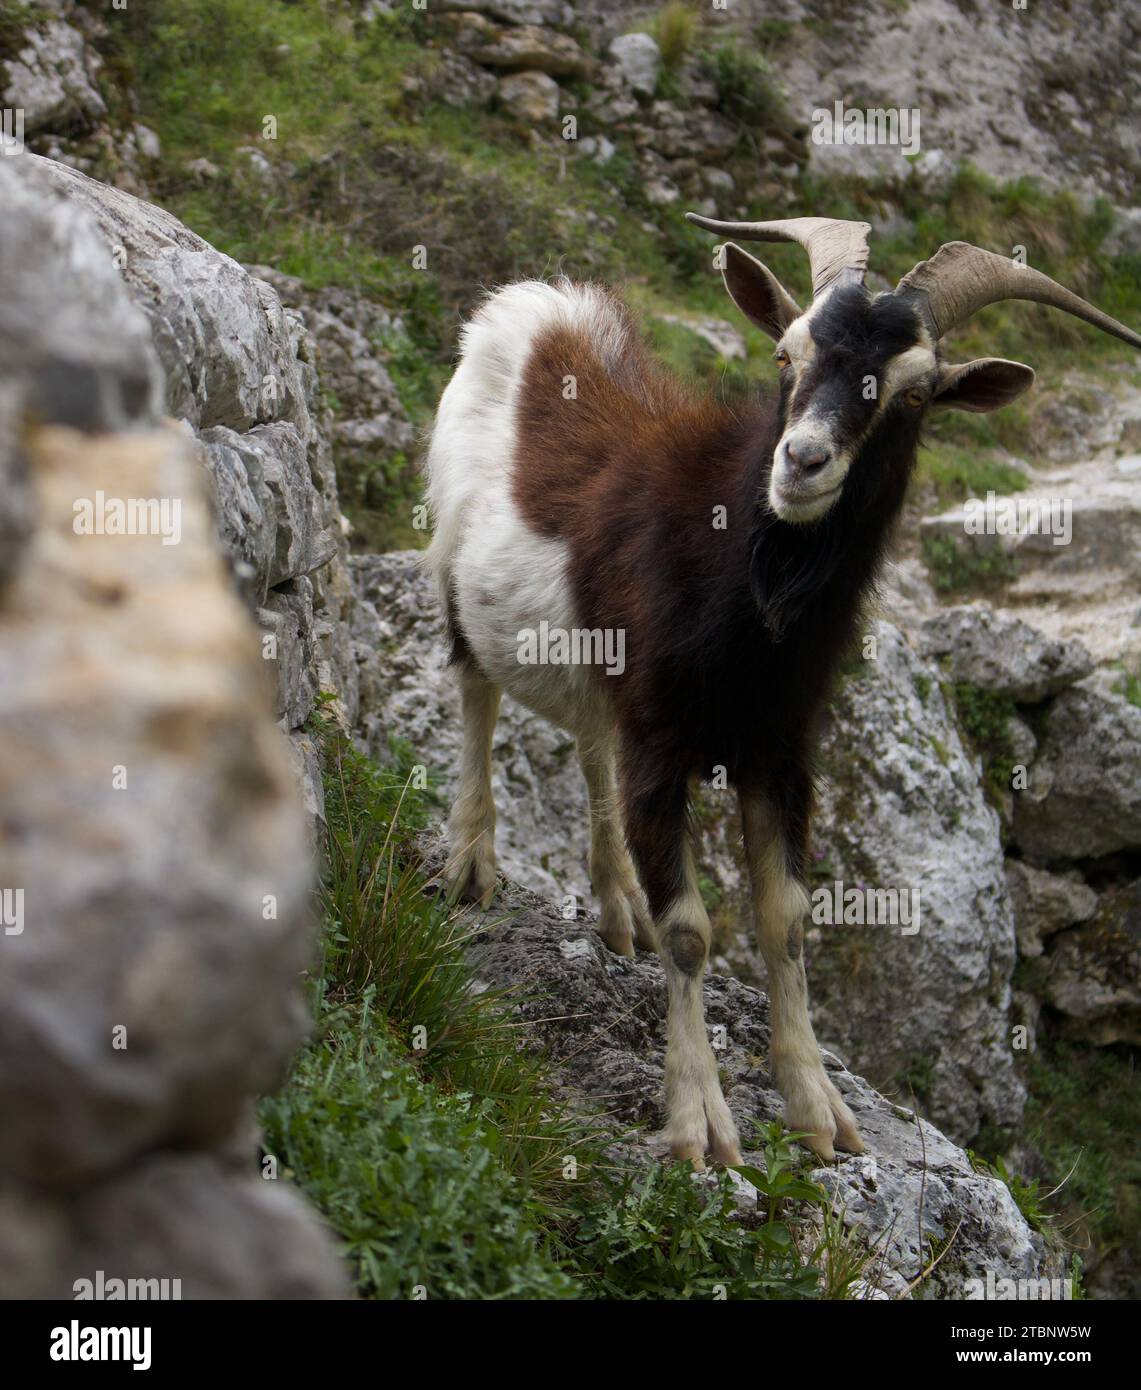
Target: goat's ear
x=757 y=292
x=988 y=383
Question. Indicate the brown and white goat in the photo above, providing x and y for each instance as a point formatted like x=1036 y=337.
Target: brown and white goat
x=576 y=484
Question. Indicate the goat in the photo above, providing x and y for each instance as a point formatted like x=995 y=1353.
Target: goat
x=574 y=482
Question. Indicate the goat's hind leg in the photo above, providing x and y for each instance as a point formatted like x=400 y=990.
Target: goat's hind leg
x=623 y=920
x=470 y=871
x=813 y=1105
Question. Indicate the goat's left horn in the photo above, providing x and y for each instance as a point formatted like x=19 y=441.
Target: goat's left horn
x=960 y=279
x=835 y=248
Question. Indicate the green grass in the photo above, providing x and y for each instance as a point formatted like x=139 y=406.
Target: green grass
x=746 y=89
x=960 y=568
x=1079 y=1131
x=410 y=1176
x=1083 y=1117
x=675 y=30
x=955 y=473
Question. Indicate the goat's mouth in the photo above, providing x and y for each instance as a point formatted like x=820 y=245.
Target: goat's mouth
x=799 y=506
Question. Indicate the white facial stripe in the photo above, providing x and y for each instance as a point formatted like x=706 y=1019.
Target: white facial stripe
x=797 y=342
x=904 y=371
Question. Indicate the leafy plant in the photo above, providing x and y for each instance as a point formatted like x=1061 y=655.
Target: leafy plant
x=674 y=31
x=986 y=718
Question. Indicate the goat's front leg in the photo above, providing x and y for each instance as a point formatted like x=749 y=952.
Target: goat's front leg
x=698 y=1120
x=812 y=1103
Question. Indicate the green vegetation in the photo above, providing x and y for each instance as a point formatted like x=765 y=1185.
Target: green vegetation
x=674 y=30
x=1083 y=1111
x=746 y=90
x=409 y=1176
x=959 y=567
x=369 y=162
x=1082 y=1118
x=1129 y=685
x=16 y=18
x=667 y=1237
x=955 y=473
x=986 y=719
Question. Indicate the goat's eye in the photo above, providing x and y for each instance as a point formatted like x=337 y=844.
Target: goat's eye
x=781 y=358
x=915 y=396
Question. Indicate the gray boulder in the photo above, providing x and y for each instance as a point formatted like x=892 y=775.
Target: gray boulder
x=1084 y=794
x=1091 y=976
x=902 y=808
x=52 y=72
x=155 y=863
x=1045 y=903
x=639 y=61
x=1001 y=653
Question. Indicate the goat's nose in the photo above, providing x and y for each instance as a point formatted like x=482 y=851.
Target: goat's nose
x=807 y=457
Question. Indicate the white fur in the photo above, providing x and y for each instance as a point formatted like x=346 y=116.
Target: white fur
x=482 y=548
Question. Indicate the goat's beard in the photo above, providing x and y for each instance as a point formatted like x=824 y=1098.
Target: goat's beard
x=788 y=567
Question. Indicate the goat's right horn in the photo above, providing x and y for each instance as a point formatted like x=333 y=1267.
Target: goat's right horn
x=960 y=279
x=835 y=248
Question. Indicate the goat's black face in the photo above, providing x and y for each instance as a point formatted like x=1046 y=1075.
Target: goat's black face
x=857 y=374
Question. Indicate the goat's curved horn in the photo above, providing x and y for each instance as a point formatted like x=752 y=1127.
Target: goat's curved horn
x=834 y=247
x=960 y=279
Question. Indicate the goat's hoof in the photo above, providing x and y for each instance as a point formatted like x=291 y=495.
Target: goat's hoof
x=474 y=881
x=618 y=936
x=616 y=926
x=714 y=1134
x=815 y=1108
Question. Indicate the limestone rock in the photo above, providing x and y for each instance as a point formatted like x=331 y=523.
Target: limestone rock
x=149 y=1224
x=140 y=754
x=1002 y=654
x=1045 y=903
x=53 y=76
x=526 y=48
x=555 y=13
x=1084 y=793
x=901 y=808
x=1092 y=974
x=639 y=60
x=154 y=829
x=530 y=96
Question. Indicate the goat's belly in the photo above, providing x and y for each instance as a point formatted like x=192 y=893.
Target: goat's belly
x=516 y=609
